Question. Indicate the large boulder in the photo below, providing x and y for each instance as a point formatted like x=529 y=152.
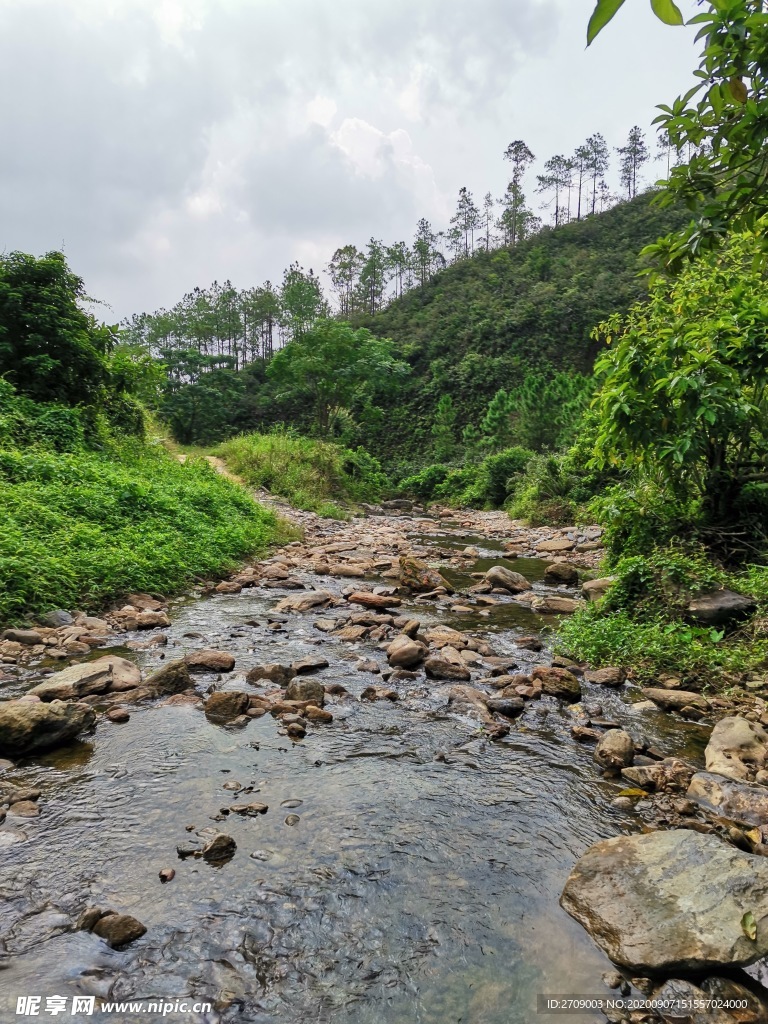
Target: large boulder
x=553 y=604
x=171 y=678
x=742 y=802
x=561 y=572
x=109 y=673
x=671 y=901
x=442 y=668
x=29 y=726
x=226 y=705
x=304 y=689
x=594 y=590
x=720 y=607
x=737 y=749
x=506 y=579
x=417 y=576
x=557 y=682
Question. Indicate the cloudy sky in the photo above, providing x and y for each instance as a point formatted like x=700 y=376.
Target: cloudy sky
x=165 y=143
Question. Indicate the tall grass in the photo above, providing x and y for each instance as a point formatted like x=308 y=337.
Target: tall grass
x=80 y=528
x=309 y=474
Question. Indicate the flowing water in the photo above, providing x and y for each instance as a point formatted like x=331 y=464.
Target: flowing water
x=419 y=884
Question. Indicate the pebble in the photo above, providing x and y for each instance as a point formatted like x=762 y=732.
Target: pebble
x=167 y=875
x=292 y=819
x=291 y=803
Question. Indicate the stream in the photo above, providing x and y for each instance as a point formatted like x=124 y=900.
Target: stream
x=420 y=882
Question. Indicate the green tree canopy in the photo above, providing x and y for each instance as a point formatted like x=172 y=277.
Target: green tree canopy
x=332 y=366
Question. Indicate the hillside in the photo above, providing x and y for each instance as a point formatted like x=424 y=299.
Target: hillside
x=483 y=323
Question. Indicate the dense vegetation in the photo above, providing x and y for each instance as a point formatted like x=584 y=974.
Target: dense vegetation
x=91 y=509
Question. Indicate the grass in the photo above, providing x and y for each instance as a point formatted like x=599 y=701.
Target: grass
x=312 y=475
x=79 y=529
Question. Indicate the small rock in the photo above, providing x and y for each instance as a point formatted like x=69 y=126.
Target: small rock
x=315 y=714
x=616 y=750
x=167 y=875
x=119 y=929
x=152 y=620
x=210 y=661
x=292 y=819
x=219 y=849
x=118 y=715
x=310 y=690
x=306 y=665
x=404 y=652
x=606 y=676
x=557 y=682
x=561 y=572
x=224 y=706
x=506 y=579
x=441 y=668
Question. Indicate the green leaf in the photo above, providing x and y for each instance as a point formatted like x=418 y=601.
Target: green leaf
x=667 y=12
x=749 y=925
x=601 y=15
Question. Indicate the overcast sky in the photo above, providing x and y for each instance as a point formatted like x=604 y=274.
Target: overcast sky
x=166 y=143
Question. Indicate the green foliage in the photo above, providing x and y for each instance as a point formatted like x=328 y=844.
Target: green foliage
x=683 y=394
x=545 y=493
x=443 y=429
x=638 y=515
x=486 y=484
x=50 y=348
x=308 y=473
x=423 y=484
x=665 y=10
x=332 y=366
x=84 y=527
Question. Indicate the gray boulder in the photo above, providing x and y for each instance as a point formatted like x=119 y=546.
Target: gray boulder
x=737 y=749
x=720 y=607
x=616 y=750
x=310 y=690
x=671 y=901
x=499 y=576
x=742 y=802
x=29 y=726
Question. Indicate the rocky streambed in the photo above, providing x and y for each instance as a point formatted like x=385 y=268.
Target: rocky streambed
x=351 y=784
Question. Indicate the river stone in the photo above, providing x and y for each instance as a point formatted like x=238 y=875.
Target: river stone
x=404 y=652
x=670 y=901
x=720 y=607
x=281 y=675
x=379 y=693
x=499 y=576
x=671 y=774
x=507 y=706
x=26 y=727
x=616 y=750
x=26 y=637
x=675 y=700
x=557 y=682
x=561 y=572
x=742 y=802
x=56 y=619
x=151 y=620
x=443 y=636
x=737 y=749
x=119 y=929
x=556 y=544
x=311 y=664
x=109 y=673
x=210 y=661
x=302 y=689
x=417 y=576
x=606 y=676
x=303 y=602
x=594 y=590
x=442 y=668
x=551 y=604
x=368 y=600
x=226 y=705
x=171 y=678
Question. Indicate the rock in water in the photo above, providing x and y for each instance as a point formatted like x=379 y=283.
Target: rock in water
x=29 y=726
x=742 y=802
x=172 y=678
x=499 y=576
x=219 y=849
x=404 y=652
x=306 y=689
x=417 y=576
x=224 y=706
x=671 y=901
x=110 y=673
x=615 y=750
x=557 y=682
x=119 y=929
x=441 y=668
x=210 y=661
x=737 y=749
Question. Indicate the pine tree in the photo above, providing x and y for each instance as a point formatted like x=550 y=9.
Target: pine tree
x=634 y=155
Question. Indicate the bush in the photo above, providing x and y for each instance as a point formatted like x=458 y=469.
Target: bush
x=306 y=472
x=545 y=493
x=423 y=484
x=79 y=529
x=640 y=516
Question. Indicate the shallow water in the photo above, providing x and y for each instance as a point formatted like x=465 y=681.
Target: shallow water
x=412 y=889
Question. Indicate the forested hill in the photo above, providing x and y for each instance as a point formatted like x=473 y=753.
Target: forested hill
x=486 y=322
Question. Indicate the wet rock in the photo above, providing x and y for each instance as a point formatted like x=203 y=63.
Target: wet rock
x=506 y=579
x=379 y=693
x=440 y=636
x=26 y=637
x=551 y=604
x=296 y=730
x=315 y=714
x=325 y=625
x=670 y=775
x=304 y=602
x=594 y=590
x=442 y=668
x=529 y=643
x=24 y=809
x=167 y=875
x=171 y=678
x=583 y=734
x=675 y=700
x=616 y=750
x=351 y=634
x=108 y=673
x=292 y=819
x=557 y=682
x=404 y=652
x=368 y=600
x=249 y=810
x=417 y=576
x=510 y=707
x=469 y=698
x=310 y=690
x=368 y=666
x=737 y=749
x=720 y=607
x=119 y=930
x=671 y=901
x=742 y=802
x=210 y=661
x=26 y=728
x=281 y=675
x=561 y=572
x=228 y=587
x=556 y=544
x=224 y=706
x=152 y=620
x=606 y=676
x=118 y=715
x=219 y=849
x=306 y=665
